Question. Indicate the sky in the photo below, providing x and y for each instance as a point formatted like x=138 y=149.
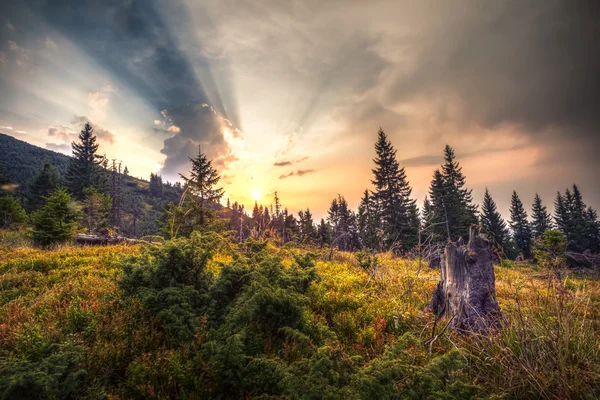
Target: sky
x=288 y=96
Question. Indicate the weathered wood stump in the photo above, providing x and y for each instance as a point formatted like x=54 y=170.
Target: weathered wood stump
x=467 y=293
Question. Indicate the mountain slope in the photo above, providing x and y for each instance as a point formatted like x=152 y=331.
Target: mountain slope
x=23 y=160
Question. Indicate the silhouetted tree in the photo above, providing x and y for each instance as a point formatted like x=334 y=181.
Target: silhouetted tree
x=202 y=186
x=85 y=168
x=492 y=222
x=392 y=195
x=451 y=201
x=369 y=228
x=520 y=226
x=344 y=232
x=541 y=219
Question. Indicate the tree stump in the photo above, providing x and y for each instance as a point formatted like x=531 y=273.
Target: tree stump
x=467 y=290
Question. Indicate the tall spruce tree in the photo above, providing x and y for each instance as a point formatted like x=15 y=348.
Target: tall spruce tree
x=593 y=230
x=520 y=226
x=344 y=231
x=368 y=222
x=452 y=202
x=576 y=221
x=323 y=233
x=492 y=222
x=42 y=185
x=392 y=196
x=85 y=168
x=202 y=185
x=541 y=219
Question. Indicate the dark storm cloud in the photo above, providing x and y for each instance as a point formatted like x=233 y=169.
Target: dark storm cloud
x=520 y=62
x=194 y=125
x=132 y=41
x=161 y=61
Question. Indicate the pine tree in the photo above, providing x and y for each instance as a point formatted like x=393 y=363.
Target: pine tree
x=42 y=185
x=520 y=226
x=156 y=186
x=492 y=222
x=344 y=230
x=306 y=226
x=85 y=168
x=561 y=214
x=55 y=222
x=368 y=222
x=541 y=219
x=11 y=212
x=96 y=207
x=593 y=230
x=437 y=215
x=324 y=233
x=392 y=196
x=202 y=185
x=452 y=202
x=257 y=219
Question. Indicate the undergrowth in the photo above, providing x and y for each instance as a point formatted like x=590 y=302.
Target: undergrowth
x=202 y=318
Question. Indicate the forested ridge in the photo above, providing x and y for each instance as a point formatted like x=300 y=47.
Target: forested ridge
x=218 y=301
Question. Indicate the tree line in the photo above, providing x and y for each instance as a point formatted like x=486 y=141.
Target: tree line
x=99 y=197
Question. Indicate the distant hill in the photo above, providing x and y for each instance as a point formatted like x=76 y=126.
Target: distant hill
x=23 y=160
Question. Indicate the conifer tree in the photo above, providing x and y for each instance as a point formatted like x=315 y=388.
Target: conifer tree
x=324 y=233
x=492 y=222
x=55 y=222
x=156 y=186
x=452 y=202
x=392 y=196
x=561 y=215
x=11 y=212
x=202 y=185
x=96 y=207
x=85 y=168
x=541 y=219
x=368 y=222
x=306 y=226
x=593 y=230
x=520 y=226
x=257 y=219
x=42 y=185
x=344 y=231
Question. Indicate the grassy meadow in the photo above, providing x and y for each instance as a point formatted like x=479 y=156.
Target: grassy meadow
x=204 y=318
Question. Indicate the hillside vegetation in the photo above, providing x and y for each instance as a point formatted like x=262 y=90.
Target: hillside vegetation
x=205 y=318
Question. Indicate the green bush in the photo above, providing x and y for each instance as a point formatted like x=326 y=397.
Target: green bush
x=11 y=212
x=55 y=222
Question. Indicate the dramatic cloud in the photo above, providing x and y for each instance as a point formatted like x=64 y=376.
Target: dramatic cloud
x=69 y=133
x=510 y=85
x=196 y=126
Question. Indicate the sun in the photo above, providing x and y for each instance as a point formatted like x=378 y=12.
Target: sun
x=256 y=195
